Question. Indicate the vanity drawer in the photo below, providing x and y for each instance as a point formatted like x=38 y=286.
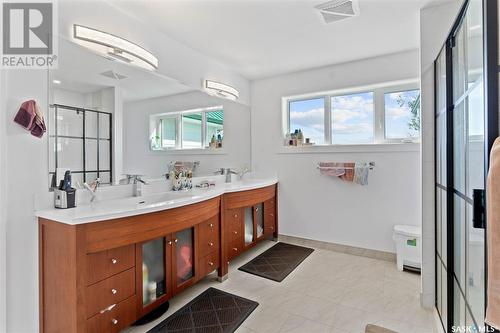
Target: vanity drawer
x=110 y=291
x=234 y=249
x=234 y=217
x=208 y=245
x=107 y=263
x=270 y=204
x=209 y=263
x=234 y=233
x=210 y=228
x=115 y=319
x=269 y=222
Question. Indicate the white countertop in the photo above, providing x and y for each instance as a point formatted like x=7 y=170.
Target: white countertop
x=130 y=206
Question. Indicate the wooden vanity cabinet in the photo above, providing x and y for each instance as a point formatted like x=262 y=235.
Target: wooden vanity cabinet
x=248 y=217
x=91 y=275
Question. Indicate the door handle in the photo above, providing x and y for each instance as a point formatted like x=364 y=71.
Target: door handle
x=478 y=213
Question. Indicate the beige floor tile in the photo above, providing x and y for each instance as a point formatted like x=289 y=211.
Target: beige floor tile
x=297 y=324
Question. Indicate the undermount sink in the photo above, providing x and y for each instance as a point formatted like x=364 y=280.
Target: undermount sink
x=162 y=197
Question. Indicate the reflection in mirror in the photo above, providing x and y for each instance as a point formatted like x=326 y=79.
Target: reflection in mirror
x=87 y=95
x=189 y=129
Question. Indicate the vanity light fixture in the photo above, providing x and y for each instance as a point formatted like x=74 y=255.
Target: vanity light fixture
x=221 y=90
x=114 y=47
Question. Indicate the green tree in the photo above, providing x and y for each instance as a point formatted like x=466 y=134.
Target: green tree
x=413 y=103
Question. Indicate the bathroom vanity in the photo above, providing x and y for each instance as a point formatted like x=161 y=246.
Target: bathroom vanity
x=105 y=265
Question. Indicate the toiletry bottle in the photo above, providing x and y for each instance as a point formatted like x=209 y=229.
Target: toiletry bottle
x=219 y=141
x=212 y=142
x=300 y=138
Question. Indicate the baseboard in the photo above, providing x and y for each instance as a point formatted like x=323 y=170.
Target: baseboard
x=357 y=251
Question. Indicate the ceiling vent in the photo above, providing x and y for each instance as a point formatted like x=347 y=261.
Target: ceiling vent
x=336 y=10
x=113 y=75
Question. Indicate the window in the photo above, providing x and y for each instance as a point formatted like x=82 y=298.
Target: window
x=386 y=114
x=352 y=118
x=402 y=114
x=190 y=129
x=80 y=141
x=308 y=116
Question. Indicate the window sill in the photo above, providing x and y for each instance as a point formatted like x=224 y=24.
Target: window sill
x=364 y=148
x=196 y=151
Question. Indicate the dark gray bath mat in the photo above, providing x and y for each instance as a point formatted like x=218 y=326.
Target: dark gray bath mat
x=277 y=262
x=212 y=311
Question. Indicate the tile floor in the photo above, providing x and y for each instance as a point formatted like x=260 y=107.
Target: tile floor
x=329 y=292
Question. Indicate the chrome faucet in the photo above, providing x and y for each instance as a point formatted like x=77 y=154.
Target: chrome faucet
x=242 y=173
x=137 y=184
x=92 y=188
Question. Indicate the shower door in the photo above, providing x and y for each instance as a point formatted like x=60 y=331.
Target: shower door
x=464 y=132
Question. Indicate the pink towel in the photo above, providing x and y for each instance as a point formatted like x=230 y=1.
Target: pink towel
x=344 y=171
x=31 y=118
x=493 y=241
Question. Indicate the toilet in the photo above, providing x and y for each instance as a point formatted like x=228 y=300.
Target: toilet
x=408 y=240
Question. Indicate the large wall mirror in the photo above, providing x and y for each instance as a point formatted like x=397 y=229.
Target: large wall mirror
x=108 y=118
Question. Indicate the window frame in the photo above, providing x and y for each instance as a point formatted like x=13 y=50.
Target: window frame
x=177 y=115
x=378 y=91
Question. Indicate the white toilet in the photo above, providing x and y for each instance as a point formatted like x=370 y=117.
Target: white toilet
x=408 y=239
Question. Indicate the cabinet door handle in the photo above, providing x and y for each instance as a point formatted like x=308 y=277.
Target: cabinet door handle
x=210 y=263
x=169 y=242
x=235 y=216
x=114 y=321
x=235 y=232
x=175 y=240
x=235 y=249
x=109 y=308
x=114 y=291
x=272 y=215
x=257 y=209
x=114 y=261
x=211 y=244
x=272 y=228
x=211 y=225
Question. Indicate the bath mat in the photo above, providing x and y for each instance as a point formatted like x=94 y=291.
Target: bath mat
x=212 y=311
x=277 y=262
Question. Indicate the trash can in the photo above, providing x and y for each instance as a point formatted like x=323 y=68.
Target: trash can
x=408 y=239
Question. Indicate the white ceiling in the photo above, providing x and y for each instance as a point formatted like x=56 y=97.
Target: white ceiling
x=264 y=38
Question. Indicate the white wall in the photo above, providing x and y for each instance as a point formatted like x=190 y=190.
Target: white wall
x=320 y=208
x=27 y=189
x=435 y=24
x=3 y=209
x=138 y=158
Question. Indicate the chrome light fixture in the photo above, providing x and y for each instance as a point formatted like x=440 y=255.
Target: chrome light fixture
x=221 y=90
x=114 y=47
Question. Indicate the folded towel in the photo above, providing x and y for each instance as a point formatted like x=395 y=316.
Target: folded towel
x=38 y=128
x=26 y=115
x=493 y=241
x=30 y=117
x=361 y=171
x=344 y=171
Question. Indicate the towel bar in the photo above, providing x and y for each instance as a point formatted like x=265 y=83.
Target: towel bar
x=370 y=164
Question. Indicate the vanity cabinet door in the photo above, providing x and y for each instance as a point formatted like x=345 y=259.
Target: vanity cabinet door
x=249 y=226
x=153 y=273
x=184 y=261
x=258 y=211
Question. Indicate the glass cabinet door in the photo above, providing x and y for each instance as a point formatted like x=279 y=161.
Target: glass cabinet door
x=154 y=271
x=184 y=257
x=249 y=230
x=259 y=219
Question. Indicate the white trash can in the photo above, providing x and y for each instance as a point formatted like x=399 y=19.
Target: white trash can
x=408 y=239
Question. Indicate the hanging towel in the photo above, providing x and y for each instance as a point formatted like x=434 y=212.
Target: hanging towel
x=26 y=115
x=344 y=171
x=38 y=128
x=361 y=171
x=30 y=117
x=493 y=241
